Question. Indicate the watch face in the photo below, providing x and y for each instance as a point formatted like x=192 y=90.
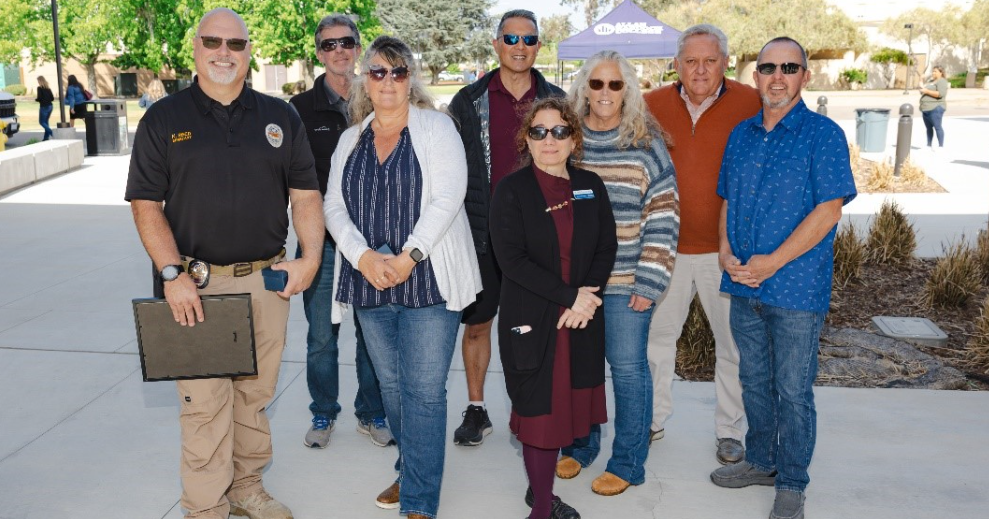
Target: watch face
x=170 y=272
x=416 y=255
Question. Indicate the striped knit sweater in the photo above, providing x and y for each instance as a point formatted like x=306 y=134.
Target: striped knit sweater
x=642 y=186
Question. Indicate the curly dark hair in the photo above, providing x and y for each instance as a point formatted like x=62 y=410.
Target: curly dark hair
x=569 y=117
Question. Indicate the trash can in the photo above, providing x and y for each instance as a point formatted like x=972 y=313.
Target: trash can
x=870 y=129
x=106 y=127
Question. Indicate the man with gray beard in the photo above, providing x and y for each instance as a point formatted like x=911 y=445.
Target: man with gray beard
x=213 y=170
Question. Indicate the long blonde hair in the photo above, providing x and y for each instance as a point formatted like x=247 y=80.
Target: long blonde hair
x=156 y=90
x=397 y=54
x=637 y=127
x=43 y=83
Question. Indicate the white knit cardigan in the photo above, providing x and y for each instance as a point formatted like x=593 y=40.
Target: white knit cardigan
x=442 y=233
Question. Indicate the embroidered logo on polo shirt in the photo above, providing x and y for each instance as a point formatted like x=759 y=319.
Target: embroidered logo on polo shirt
x=274 y=134
x=181 y=136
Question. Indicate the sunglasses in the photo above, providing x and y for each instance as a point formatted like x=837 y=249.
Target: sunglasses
x=767 y=69
x=513 y=39
x=615 y=85
x=330 y=44
x=398 y=74
x=214 y=42
x=538 y=133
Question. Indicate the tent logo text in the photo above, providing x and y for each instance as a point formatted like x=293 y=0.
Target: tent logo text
x=605 y=29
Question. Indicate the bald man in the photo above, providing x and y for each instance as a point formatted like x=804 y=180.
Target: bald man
x=213 y=169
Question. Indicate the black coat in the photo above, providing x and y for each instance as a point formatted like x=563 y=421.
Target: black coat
x=533 y=291
x=464 y=113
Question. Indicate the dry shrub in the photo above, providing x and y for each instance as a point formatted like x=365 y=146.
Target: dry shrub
x=695 y=347
x=849 y=255
x=982 y=255
x=892 y=238
x=854 y=154
x=881 y=178
x=977 y=349
x=911 y=174
x=955 y=278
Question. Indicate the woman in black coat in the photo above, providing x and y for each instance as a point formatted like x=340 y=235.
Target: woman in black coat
x=554 y=235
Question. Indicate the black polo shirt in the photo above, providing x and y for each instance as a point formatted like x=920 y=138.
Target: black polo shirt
x=223 y=171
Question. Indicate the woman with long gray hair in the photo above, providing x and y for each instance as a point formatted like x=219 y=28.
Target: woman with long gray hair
x=624 y=145
x=395 y=206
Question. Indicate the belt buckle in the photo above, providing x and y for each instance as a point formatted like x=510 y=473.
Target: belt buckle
x=242 y=269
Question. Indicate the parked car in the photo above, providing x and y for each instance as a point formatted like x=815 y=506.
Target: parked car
x=7 y=115
x=451 y=76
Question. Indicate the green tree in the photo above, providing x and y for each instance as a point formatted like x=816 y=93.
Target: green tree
x=23 y=23
x=441 y=31
x=88 y=29
x=162 y=32
x=938 y=31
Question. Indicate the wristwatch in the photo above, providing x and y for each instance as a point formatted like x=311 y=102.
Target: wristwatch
x=170 y=272
x=416 y=255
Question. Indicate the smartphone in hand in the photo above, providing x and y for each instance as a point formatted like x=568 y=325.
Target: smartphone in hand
x=274 y=280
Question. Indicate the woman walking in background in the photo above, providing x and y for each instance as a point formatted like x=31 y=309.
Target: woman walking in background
x=45 y=99
x=75 y=97
x=933 y=105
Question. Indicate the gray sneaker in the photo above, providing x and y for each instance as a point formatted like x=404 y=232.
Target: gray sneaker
x=318 y=436
x=377 y=429
x=742 y=474
x=730 y=451
x=789 y=504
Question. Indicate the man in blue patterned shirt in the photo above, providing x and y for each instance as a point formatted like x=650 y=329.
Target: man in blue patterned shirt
x=785 y=177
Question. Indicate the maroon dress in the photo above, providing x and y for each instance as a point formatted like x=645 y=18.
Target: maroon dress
x=572 y=411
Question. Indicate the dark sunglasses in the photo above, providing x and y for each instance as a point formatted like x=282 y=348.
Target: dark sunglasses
x=538 y=133
x=214 y=42
x=615 y=85
x=767 y=69
x=513 y=39
x=330 y=44
x=398 y=74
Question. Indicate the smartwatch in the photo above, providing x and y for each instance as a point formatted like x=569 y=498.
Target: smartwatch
x=416 y=255
x=170 y=272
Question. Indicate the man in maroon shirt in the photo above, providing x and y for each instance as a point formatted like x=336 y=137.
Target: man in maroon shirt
x=489 y=113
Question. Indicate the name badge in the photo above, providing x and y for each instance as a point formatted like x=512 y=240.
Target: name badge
x=583 y=194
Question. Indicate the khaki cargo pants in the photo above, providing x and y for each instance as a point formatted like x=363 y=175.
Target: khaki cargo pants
x=226 y=439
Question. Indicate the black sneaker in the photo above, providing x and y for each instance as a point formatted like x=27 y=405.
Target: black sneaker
x=475 y=427
x=558 y=510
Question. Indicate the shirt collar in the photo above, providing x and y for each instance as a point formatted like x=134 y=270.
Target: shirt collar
x=792 y=121
x=495 y=85
x=206 y=102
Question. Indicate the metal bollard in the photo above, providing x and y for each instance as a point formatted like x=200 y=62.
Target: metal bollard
x=903 y=133
x=822 y=105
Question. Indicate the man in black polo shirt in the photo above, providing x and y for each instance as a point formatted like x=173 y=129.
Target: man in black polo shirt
x=226 y=160
x=323 y=109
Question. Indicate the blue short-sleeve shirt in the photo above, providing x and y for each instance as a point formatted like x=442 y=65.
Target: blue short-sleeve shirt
x=772 y=181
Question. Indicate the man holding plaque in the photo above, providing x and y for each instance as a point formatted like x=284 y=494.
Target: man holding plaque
x=212 y=172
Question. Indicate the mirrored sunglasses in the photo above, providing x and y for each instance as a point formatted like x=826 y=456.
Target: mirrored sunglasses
x=513 y=39
x=330 y=44
x=767 y=69
x=398 y=74
x=615 y=85
x=214 y=42
x=538 y=133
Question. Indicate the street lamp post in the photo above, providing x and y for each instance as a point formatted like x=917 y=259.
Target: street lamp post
x=906 y=82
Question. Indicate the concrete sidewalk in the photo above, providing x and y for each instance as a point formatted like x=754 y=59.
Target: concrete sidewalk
x=84 y=438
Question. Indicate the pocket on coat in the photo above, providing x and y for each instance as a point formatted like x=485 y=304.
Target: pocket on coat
x=527 y=350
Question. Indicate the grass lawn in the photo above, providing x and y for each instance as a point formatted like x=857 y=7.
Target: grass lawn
x=27 y=112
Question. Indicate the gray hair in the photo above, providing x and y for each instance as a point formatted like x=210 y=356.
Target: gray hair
x=397 y=54
x=784 y=39
x=337 y=20
x=517 y=13
x=638 y=127
x=700 y=30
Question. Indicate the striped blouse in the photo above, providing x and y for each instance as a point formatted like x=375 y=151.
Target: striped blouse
x=384 y=202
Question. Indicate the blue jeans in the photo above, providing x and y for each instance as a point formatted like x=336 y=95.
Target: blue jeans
x=932 y=121
x=412 y=349
x=322 y=354
x=626 y=339
x=778 y=364
x=44 y=113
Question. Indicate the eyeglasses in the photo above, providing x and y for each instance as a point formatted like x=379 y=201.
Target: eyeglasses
x=538 y=133
x=615 y=85
x=513 y=39
x=330 y=44
x=767 y=69
x=398 y=74
x=214 y=42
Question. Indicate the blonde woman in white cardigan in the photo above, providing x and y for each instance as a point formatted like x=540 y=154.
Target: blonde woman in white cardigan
x=395 y=206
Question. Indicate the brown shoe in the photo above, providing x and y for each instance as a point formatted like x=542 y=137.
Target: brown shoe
x=416 y=516
x=389 y=498
x=608 y=484
x=259 y=505
x=567 y=468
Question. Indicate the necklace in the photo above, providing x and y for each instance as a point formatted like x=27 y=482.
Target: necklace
x=558 y=206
